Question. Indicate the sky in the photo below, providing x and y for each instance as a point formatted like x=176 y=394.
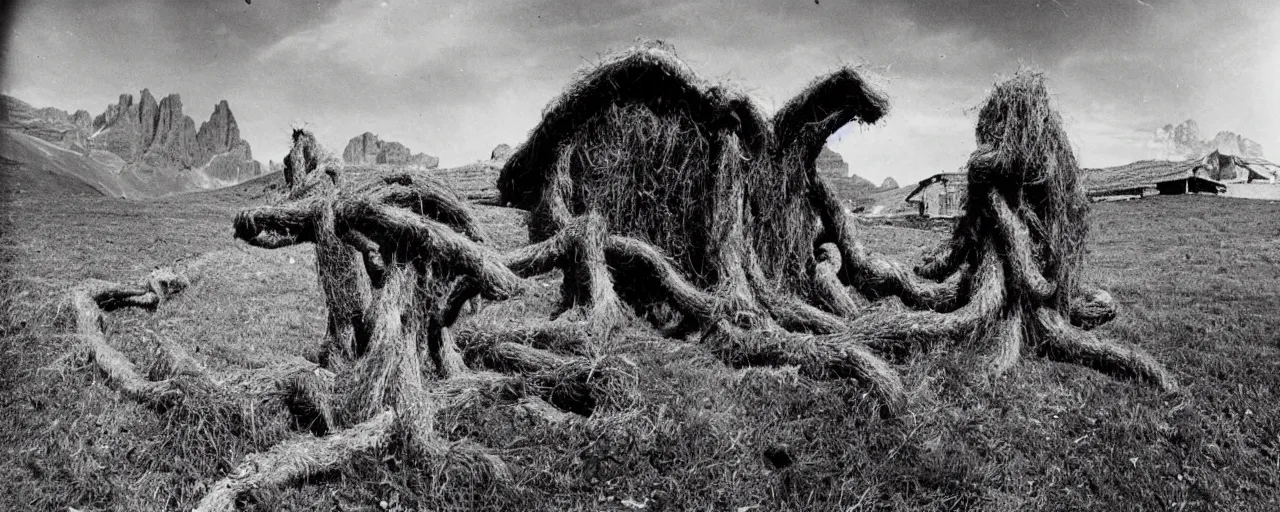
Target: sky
x=456 y=78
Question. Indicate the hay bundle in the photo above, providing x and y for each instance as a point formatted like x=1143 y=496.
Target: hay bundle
x=1024 y=156
x=645 y=142
x=1025 y=195
x=398 y=254
x=714 y=212
x=722 y=218
x=635 y=139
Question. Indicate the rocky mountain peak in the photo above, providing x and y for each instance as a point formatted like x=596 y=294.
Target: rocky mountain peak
x=148 y=135
x=501 y=152
x=831 y=163
x=220 y=133
x=1184 y=141
x=160 y=135
x=832 y=167
x=367 y=148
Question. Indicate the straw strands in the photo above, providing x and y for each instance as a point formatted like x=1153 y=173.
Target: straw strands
x=663 y=200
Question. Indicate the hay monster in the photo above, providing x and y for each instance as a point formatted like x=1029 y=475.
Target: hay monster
x=719 y=216
x=398 y=255
x=1026 y=204
x=662 y=199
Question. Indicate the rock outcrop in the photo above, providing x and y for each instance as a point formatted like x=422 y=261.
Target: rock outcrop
x=48 y=124
x=501 y=152
x=832 y=167
x=1183 y=142
x=831 y=163
x=367 y=148
x=887 y=184
x=159 y=135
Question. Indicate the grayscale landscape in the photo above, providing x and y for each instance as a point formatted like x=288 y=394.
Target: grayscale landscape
x=837 y=255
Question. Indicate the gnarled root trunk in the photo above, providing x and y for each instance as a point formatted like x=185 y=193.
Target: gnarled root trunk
x=87 y=303
x=297 y=459
x=828 y=290
x=1091 y=308
x=579 y=384
x=1065 y=343
x=824 y=357
x=1007 y=339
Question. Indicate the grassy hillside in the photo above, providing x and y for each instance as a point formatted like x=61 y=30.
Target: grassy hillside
x=892 y=201
x=41 y=167
x=1198 y=279
x=37 y=166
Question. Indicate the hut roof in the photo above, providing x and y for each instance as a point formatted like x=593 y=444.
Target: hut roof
x=924 y=183
x=1258 y=168
x=1141 y=174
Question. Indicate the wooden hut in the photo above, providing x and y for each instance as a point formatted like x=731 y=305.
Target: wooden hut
x=941 y=195
x=1150 y=177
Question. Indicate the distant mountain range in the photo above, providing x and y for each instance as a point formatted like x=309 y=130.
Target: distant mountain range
x=1184 y=142
x=139 y=149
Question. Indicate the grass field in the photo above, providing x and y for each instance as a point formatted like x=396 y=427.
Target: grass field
x=1198 y=280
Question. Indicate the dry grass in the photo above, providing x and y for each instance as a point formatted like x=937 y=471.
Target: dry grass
x=1198 y=288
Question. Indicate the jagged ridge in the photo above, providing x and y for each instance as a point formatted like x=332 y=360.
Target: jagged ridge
x=367 y=148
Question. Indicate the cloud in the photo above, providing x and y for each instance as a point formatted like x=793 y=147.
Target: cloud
x=455 y=78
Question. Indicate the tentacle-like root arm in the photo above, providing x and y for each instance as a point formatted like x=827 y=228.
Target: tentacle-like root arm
x=580 y=251
x=820 y=357
x=640 y=261
x=297 y=459
x=430 y=198
x=829 y=291
x=278 y=226
x=945 y=262
x=875 y=277
x=574 y=384
x=552 y=213
x=1065 y=343
x=794 y=315
x=892 y=330
x=1018 y=245
x=111 y=296
x=537 y=258
x=493 y=351
x=805 y=121
x=399 y=227
x=87 y=303
x=786 y=309
x=587 y=284
x=1007 y=340
x=368 y=249
x=172 y=361
x=441 y=349
x=1093 y=307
